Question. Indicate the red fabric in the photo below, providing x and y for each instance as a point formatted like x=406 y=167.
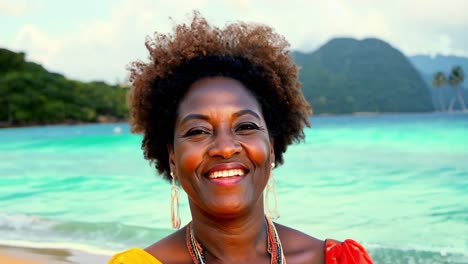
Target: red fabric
x=347 y=252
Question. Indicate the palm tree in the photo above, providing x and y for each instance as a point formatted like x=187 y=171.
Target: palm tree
x=439 y=81
x=455 y=79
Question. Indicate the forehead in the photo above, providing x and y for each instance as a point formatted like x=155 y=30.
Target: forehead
x=218 y=94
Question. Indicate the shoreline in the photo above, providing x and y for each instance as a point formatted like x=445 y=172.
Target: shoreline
x=13 y=254
x=125 y=121
x=78 y=123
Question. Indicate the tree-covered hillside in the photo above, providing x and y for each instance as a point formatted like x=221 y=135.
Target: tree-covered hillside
x=346 y=75
x=29 y=94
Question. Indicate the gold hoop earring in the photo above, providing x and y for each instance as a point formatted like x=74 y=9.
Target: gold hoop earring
x=175 y=217
x=271 y=212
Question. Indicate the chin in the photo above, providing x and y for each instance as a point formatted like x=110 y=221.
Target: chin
x=228 y=209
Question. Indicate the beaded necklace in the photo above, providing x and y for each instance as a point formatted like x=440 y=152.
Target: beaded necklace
x=273 y=245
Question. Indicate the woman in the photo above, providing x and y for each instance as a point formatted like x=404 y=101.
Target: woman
x=217 y=109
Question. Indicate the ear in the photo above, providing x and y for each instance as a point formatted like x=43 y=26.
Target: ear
x=170 y=152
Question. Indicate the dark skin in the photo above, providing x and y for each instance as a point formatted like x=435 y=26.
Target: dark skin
x=220 y=129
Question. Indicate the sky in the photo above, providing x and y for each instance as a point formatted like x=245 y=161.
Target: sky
x=96 y=39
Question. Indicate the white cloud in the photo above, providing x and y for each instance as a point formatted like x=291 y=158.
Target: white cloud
x=409 y=25
x=13 y=8
x=38 y=44
x=100 y=49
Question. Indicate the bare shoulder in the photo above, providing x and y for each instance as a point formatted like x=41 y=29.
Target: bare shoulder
x=299 y=247
x=171 y=249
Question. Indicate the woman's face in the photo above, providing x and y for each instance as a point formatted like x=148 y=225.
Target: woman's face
x=222 y=152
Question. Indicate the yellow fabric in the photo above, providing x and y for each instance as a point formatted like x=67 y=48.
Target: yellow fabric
x=133 y=256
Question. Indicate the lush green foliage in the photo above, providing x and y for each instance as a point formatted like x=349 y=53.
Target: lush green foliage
x=30 y=94
x=455 y=79
x=347 y=76
x=457 y=76
x=439 y=79
x=438 y=82
x=428 y=66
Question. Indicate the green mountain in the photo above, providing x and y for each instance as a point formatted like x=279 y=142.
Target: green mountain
x=31 y=95
x=347 y=75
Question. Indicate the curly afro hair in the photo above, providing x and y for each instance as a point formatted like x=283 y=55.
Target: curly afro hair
x=253 y=54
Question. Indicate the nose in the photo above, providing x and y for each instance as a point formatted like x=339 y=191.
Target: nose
x=224 y=145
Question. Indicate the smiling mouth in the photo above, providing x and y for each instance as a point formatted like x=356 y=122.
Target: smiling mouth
x=226 y=173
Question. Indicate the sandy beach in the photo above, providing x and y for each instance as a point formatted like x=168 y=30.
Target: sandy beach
x=26 y=255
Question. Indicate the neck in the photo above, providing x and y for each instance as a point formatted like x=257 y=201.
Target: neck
x=231 y=239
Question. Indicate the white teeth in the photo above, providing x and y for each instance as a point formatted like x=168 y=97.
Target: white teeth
x=226 y=173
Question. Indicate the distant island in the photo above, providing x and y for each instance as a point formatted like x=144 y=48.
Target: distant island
x=343 y=76
x=353 y=76
x=428 y=66
x=31 y=95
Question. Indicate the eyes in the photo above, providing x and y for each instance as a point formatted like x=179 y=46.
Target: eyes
x=196 y=131
x=245 y=128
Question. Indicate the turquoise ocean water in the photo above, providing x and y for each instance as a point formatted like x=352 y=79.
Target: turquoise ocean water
x=396 y=183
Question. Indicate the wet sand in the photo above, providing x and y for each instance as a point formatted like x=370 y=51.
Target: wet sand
x=25 y=255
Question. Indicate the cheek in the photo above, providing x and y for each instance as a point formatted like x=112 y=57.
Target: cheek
x=187 y=159
x=259 y=152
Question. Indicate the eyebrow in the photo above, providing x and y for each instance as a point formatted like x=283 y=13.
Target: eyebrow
x=246 y=112
x=194 y=116
x=205 y=117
